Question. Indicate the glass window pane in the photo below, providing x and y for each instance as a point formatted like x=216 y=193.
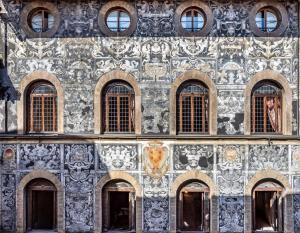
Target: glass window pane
x=118 y=20
x=266 y=20
x=271 y=21
x=192 y=20
x=50 y=21
x=37 y=22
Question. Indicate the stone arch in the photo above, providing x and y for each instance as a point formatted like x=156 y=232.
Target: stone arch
x=286 y=99
x=214 y=193
x=37 y=174
x=194 y=75
x=103 y=81
x=118 y=175
x=25 y=83
x=269 y=174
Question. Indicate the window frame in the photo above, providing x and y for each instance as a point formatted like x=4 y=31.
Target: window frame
x=206 y=12
x=282 y=17
x=131 y=108
x=30 y=107
x=116 y=4
x=193 y=10
x=204 y=104
x=27 y=12
x=119 y=10
x=45 y=21
x=278 y=102
x=265 y=10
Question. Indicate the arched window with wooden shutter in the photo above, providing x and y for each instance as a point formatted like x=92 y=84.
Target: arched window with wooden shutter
x=192 y=108
x=41 y=108
x=119 y=108
x=266 y=108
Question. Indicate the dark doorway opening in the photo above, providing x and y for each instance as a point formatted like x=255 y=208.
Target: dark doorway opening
x=192 y=211
x=41 y=205
x=118 y=207
x=193 y=208
x=119 y=210
x=42 y=209
x=268 y=208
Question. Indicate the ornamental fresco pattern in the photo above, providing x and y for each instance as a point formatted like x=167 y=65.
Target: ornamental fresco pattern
x=40 y=156
x=79 y=161
x=264 y=157
x=231 y=214
x=297 y=212
x=79 y=55
x=8 y=205
x=118 y=157
x=189 y=157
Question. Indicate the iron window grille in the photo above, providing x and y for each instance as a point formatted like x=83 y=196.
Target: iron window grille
x=42 y=108
x=192 y=108
x=266 y=108
x=119 y=108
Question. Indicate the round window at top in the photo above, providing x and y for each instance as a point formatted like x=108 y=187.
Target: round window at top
x=118 y=20
x=41 y=20
x=267 y=19
x=193 y=20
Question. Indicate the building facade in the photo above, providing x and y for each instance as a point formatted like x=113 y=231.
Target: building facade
x=149 y=116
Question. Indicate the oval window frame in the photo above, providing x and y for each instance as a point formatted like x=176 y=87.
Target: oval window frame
x=282 y=15
x=207 y=13
x=110 y=6
x=27 y=12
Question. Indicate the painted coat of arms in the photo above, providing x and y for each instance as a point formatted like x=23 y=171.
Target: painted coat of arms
x=156 y=161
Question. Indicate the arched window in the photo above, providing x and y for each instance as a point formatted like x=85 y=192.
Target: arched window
x=266 y=108
x=119 y=109
x=193 y=207
x=267 y=207
x=42 y=108
x=192 y=108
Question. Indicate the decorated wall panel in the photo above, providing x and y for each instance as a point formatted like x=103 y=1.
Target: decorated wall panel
x=79 y=54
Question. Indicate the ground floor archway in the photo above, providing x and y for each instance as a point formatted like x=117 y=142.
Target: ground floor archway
x=40 y=202
x=194 y=186
x=269 y=203
x=127 y=193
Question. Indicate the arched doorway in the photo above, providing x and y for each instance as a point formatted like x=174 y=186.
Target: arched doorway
x=41 y=205
x=268 y=206
x=193 y=207
x=118 y=206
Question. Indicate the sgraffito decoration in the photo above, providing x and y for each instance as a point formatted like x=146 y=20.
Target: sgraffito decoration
x=156 y=161
x=231 y=157
x=190 y=157
x=79 y=161
x=118 y=157
x=40 y=156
